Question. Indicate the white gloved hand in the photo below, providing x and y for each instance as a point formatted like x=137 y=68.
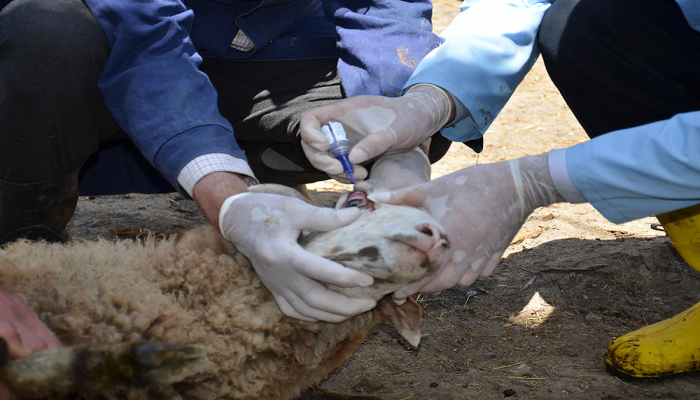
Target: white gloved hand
x=376 y=125
x=265 y=228
x=482 y=208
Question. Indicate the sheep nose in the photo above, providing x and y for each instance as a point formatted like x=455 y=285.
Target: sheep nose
x=432 y=242
x=430 y=236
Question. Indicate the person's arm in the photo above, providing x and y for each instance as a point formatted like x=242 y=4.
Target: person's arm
x=482 y=208
x=626 y=174
x=265 y=228
x=485 y=53
x=212 y=190
x=636 y=172
x=380 y=43
x=153 y=87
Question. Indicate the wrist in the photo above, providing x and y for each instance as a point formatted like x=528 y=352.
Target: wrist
x=438 y=102
x=211 y=192
x=533 y=181
x=223 y=210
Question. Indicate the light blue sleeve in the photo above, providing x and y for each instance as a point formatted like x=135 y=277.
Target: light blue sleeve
x=484 y=54
x=641 y=171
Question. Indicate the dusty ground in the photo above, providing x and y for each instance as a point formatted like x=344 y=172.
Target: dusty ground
x=538 y=328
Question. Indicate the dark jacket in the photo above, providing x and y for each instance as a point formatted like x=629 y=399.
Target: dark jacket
x=168 y=107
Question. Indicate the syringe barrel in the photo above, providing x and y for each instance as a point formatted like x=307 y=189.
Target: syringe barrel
x=337 y=138
x=338 y=145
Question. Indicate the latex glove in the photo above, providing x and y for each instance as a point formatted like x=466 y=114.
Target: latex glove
x=482 y=208
x=376 y=125
x=265 y=228
x=22 y=330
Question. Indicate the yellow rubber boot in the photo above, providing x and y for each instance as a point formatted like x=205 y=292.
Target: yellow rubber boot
x=664 y=348
x=683 y=227
x=673 y=345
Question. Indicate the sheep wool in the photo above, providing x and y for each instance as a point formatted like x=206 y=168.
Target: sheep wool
x=195 y=289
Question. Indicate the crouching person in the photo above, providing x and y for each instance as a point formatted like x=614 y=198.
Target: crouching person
x=633 y=86
x=198 y=96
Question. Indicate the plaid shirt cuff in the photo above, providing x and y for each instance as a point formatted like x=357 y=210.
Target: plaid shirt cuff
x=204 y=165
x=242 y=42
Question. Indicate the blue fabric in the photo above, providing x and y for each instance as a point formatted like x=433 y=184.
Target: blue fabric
x=486 y=52
x=127 y=169
x=380 y=44
x=659 y=171
x=691 y=10
x=168 y=107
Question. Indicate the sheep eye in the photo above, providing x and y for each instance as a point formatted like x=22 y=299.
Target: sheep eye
x=359 y=199
x=354 y=203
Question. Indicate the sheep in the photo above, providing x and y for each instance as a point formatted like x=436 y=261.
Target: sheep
x=197 y=289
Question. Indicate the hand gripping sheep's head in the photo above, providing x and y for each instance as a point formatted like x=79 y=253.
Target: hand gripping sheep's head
x=395 y=244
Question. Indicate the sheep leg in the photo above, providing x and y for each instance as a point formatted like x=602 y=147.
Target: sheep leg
x=98 y=368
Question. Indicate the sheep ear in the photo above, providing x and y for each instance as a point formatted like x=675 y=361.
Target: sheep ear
x=406 y=318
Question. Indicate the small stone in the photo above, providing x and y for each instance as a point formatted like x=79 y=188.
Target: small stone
x=433 y=384
x=522 y=369
x=491 y=355
x=592 y=317
x=508 y=393
x=644 y=271
x=649 y=262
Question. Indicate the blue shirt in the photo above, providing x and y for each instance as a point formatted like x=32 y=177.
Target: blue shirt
x=484 y=55
x=154 y=89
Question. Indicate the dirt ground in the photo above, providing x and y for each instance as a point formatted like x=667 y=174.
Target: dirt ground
x=537 y=329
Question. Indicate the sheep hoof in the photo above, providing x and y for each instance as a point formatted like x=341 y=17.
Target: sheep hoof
x=157 y=364
x=102 y=367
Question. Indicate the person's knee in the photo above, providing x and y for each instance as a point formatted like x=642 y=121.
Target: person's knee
x=52 y=53
x=574 y=29
x=56 y=32
x=51 y=56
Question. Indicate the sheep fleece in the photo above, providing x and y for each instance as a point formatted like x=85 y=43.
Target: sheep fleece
x=195 y=289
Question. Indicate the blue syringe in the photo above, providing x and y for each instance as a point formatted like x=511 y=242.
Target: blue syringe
x=339 y=146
